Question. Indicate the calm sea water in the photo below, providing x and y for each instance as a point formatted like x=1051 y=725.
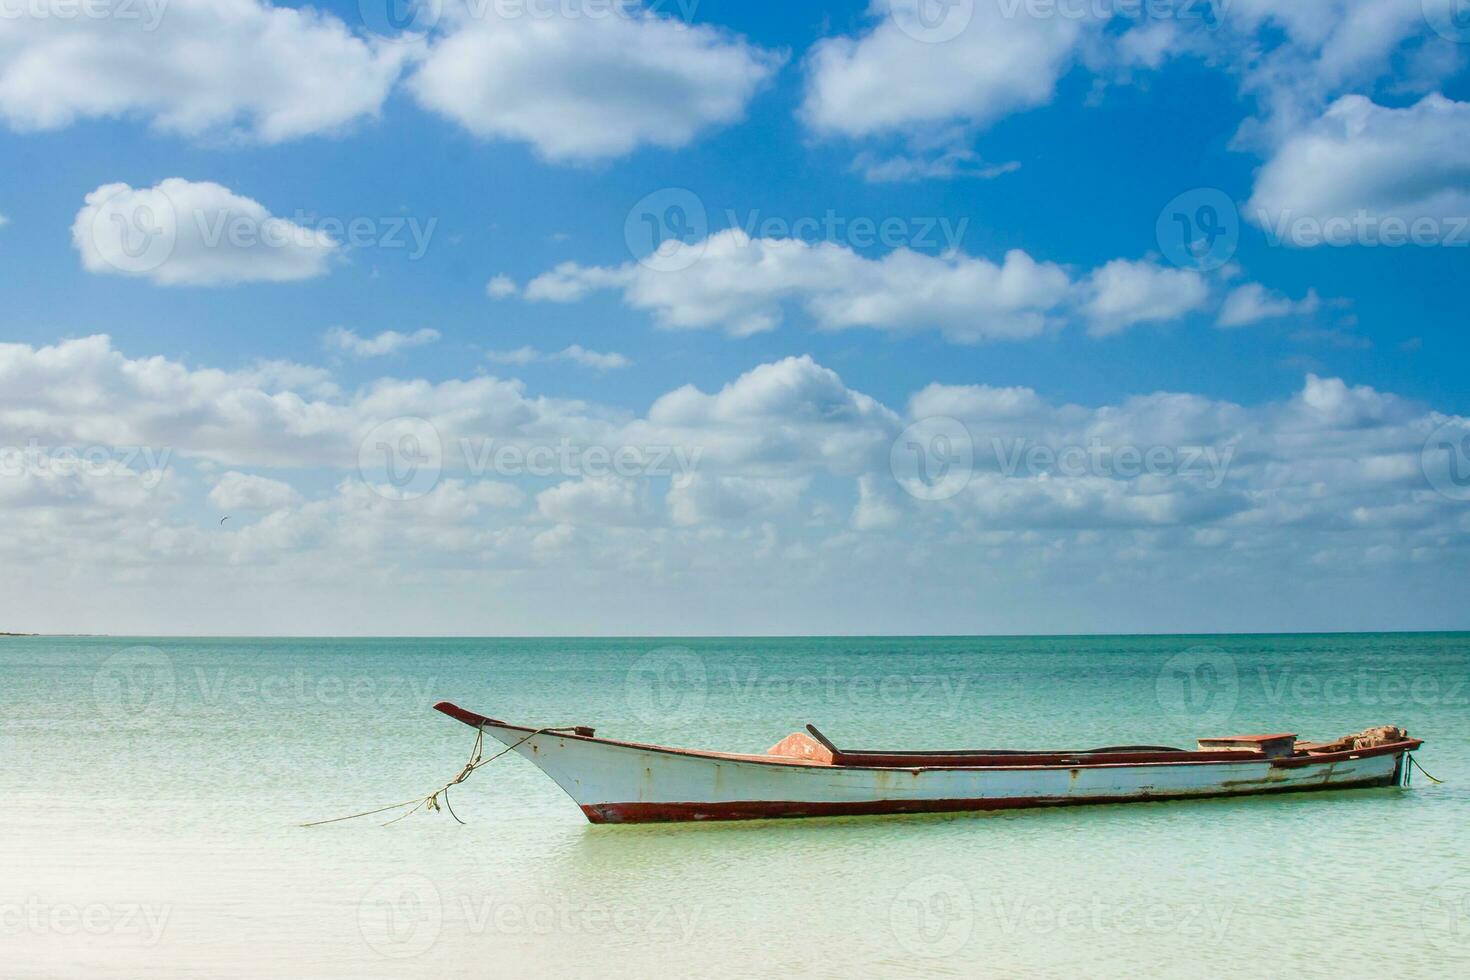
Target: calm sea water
x=151 y=790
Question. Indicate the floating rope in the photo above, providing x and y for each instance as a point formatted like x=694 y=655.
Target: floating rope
x=431 y=802
x=1422 y=769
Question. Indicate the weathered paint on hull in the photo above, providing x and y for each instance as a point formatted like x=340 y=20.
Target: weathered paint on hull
x=780 y=810
x=623 y=783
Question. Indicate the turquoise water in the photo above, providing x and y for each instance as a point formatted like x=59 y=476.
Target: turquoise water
x=151 y=790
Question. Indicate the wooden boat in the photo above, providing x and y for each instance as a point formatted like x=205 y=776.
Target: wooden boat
x=805 y=775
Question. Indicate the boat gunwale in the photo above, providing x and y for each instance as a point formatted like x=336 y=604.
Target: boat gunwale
x=478 y=721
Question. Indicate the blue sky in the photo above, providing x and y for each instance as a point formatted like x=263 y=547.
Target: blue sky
x=1047 y=146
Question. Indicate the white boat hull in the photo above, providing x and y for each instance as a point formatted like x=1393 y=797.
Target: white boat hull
x=619 y=782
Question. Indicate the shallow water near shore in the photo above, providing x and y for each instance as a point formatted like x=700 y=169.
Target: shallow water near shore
x=153 y=790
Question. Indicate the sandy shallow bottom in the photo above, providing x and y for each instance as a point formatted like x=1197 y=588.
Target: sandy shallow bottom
x=157 y=838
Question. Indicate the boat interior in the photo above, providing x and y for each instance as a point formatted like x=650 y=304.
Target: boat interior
x=813 y=747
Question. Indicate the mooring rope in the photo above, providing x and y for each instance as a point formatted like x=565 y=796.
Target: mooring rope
x=431 y=802
x=1422 y=769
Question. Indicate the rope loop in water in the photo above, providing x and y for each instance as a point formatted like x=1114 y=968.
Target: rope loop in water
x=1422 y=769
x=431 y=802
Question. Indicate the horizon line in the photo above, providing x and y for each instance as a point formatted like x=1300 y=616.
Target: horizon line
x=713 y=636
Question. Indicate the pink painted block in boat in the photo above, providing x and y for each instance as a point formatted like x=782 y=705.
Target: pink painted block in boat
x=1272 y=746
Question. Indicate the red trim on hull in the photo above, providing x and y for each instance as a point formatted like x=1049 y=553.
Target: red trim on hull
x=619 y=813
x=464 y=715
x=1393 y=748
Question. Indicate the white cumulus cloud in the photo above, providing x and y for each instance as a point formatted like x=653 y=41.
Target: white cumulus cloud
x=1123 y=293
x=575 y=354
x=778 y=419
x=1295 y=58
x=237 y=491
x=793 y=502
x=195 y=67
x=606 y=501
x=1253 y=302
x=273 y=414
x=1369 y=165
x=927 y=75
x=903 y=73
x=186 y=233
x=742 y=285
x=745 y=285
x=703 y=499
x=582 y=88
x=388 y=342
x=501 y=287
x=596 y=360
